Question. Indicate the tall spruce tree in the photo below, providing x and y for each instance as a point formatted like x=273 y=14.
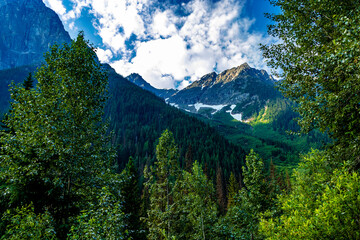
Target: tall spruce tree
x=233 y=189
x=59 y=151
x=132 y=202
x=29 y=82
x=220 y=190
x=162 y=184
x=198 y=204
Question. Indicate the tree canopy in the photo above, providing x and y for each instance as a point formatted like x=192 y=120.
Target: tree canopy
x=57 y=155
x=318 y=53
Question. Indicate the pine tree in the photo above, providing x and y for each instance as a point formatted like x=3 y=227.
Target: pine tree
x=220 y=190
x=198 y=204
x=29 y=82
x=242 y=220
x=132 y=202
x=161 y=185
x=233 y=189
x=188 y=159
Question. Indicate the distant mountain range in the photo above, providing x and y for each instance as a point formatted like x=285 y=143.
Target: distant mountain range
x=242 y=90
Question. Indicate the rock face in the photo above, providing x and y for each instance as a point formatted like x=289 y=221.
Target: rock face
x=28 y=28
x=139 y=81
x=243 y=88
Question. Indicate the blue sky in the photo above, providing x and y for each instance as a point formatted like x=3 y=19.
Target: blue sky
x=171 y=43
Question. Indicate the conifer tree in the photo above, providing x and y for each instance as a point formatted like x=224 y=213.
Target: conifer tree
x=220 y=190
x=242 y=220
x=29 y=82
x=198 y=204
x=188 y=158
x=233 y=189
x=162 y=185
x=132 y=202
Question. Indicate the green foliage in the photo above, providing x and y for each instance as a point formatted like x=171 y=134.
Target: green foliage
x=268 y=133
x=129 y=189
x=232 y=190
x=324 y=203
x=198 y=204
x=162 y=184
x=24 y=223
x=57 y=150
x=242 y=219
x=103 y=220
x=319 y=55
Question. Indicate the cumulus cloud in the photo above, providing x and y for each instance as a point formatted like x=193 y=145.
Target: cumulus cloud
x=166 y=47
x=104 y=55
x=56 y=5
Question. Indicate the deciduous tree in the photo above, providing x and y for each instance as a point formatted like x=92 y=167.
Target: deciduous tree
x=319 y=56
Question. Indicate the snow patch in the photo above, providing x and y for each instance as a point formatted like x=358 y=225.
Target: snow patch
x=215 y=107
x=237 y=116
x=174 y=105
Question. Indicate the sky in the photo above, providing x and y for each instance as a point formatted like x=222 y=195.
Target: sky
x=170 y=43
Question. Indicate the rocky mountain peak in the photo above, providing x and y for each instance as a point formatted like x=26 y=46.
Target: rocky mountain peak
x=233 y=73
x=205 y=81
x=138 y=80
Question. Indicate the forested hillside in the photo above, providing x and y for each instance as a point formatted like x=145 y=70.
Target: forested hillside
x=138 y=118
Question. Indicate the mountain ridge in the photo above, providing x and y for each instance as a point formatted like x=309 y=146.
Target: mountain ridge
x=138 y=80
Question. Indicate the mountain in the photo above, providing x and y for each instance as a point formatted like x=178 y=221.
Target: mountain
x=28 y=29
x=139 y=81
x=243 y=90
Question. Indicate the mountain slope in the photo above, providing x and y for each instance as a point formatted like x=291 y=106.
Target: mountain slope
x=25 y=43
x=244 y=90
x=138 y=118
x=139 y=81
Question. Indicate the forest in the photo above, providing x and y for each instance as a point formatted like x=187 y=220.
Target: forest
x=72 y=168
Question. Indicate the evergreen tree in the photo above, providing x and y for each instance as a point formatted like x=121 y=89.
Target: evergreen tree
x=189 y=159
x=29 y=82
x=242 y=219
x=132 y=202
x=162 y=185
x=198 y=203
x=220 y=190
x=58 y=153
x=233 y=189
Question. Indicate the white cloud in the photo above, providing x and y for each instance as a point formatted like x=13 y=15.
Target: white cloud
x=56 y=5
x=169 y=48
x=104 y=55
